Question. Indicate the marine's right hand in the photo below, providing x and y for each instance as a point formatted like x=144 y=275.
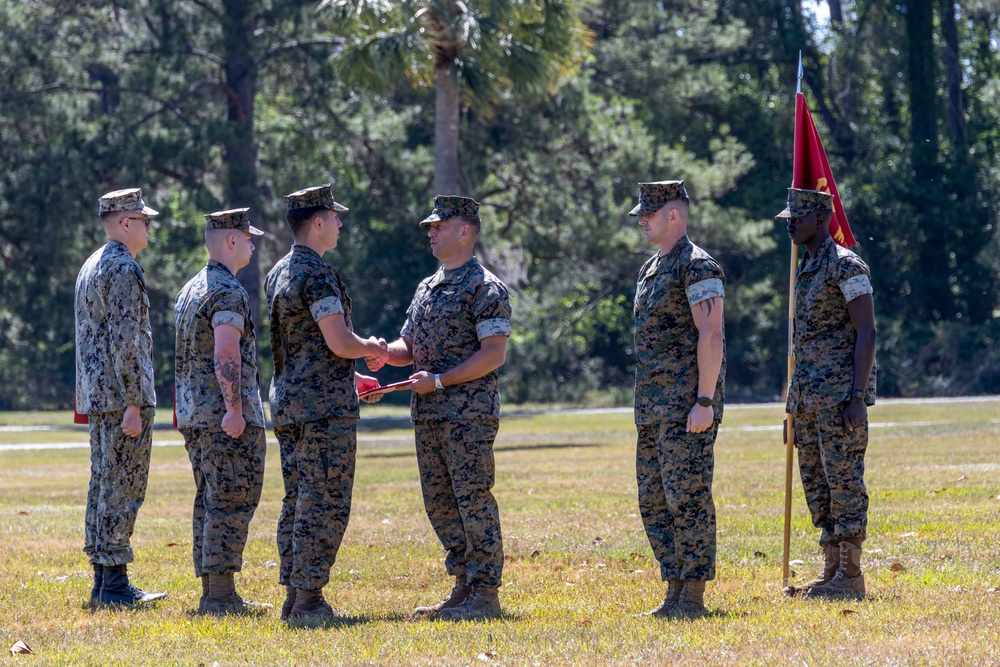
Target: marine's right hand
x=233 y=424
x=377 y=361
x=132 y=422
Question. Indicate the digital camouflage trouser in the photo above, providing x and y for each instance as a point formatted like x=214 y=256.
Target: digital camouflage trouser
x=832 y=468
x=456 y=474
x=228 y=478
x=119 y=472
x=674 y=471
x=317 y=466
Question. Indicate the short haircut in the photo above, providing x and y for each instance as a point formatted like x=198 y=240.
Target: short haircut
x=473 y=222
x=213 y=237
x=111 y=217
x=683 y=202
x=300 y=218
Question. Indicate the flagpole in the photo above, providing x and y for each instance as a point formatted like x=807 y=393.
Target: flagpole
x=789 y=429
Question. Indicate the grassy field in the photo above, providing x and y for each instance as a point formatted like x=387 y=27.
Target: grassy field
x=578 y=562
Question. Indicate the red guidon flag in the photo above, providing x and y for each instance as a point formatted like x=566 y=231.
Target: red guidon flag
x=811 y=171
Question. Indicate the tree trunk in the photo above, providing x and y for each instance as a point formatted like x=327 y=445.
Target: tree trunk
x=953 y=75
x=240 y=146
x=446 y=108
x=836 y=13
x=923 y=95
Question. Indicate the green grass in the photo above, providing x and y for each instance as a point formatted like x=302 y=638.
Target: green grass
x=578 y=561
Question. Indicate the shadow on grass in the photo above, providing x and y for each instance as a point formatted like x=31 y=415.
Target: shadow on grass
x=711 y=614
x=339 y=622
x=505 y=617
x=395 y=454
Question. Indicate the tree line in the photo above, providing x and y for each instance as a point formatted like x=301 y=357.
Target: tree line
x=549 y=112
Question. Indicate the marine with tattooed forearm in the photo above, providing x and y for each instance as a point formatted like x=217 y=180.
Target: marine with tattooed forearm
x=219 y=409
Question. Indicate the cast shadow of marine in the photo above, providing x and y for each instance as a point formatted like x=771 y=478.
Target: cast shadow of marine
x=340 y=621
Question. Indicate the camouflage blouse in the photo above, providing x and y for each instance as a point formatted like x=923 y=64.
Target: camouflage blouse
x=447 y=318
x=824 y=337
x=666 y=338
x=310 y=381
x=114 y=342
x=212 y=298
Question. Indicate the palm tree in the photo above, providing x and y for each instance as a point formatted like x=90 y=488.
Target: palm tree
x=472 y=53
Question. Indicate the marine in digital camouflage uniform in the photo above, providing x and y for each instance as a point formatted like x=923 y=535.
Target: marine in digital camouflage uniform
x=455 y=336
x=314 y=399
x=831 y=387
x=679 y=393
x=114 y=388
x=219 y=409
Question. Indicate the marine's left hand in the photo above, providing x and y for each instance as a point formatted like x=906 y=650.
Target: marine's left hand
x=855 y=414
x=700 y=419
x=423 y=382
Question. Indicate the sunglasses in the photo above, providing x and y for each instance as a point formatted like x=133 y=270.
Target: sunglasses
x=145 y=221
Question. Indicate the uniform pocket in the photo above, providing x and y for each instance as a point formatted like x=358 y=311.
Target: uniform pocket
x=226 y=470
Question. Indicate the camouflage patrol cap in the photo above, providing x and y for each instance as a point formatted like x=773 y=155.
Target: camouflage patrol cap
x=801 y=202
x=234 y=218
x=452 y=206
x=654 y=196
x=129 y=199
x=319 y=195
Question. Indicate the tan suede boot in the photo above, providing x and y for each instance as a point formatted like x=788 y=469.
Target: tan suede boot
x=849 y=581
x=674 y=588
x=222 y=598
x=692 y=600
x=286 y=606
x=311 y=606
x=482 y=603
x=204 y=593
x=831 y=562
x=459 y=592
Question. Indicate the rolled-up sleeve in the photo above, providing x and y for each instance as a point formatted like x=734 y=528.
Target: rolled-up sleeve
x=329 y=305
x=853 y=277
x=228 y=317
x=855 y=287
x=491 y=311
x=704 y=290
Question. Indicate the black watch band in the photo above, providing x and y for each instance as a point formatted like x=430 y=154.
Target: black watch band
x=705 y=401
x=858 y=393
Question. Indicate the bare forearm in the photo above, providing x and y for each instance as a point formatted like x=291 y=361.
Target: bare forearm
x=228 y=370
x=864 y=358
x=400 y=353
x=491 y=355
x=353 y=346
x=710 y=343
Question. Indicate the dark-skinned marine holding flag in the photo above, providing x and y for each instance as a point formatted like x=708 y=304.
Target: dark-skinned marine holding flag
x=831 y=368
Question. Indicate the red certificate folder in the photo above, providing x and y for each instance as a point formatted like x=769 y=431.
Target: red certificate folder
x=378 y=391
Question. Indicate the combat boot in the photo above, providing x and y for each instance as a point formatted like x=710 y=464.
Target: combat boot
x=692 y=600
x=849 y=581
x=311 y=606
x=286 y=606
x=674 y=587
x=98 y=582
x=459 y=592
x=204 y=593
x=116 y=589
x=482 y=603
x=831 y=563
x=222 y=598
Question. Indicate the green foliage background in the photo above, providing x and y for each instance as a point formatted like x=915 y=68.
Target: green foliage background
x=99 y=95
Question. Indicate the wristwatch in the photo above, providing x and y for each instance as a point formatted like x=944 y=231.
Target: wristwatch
x=858 y=393
x=705 y=401
x=437 y=382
